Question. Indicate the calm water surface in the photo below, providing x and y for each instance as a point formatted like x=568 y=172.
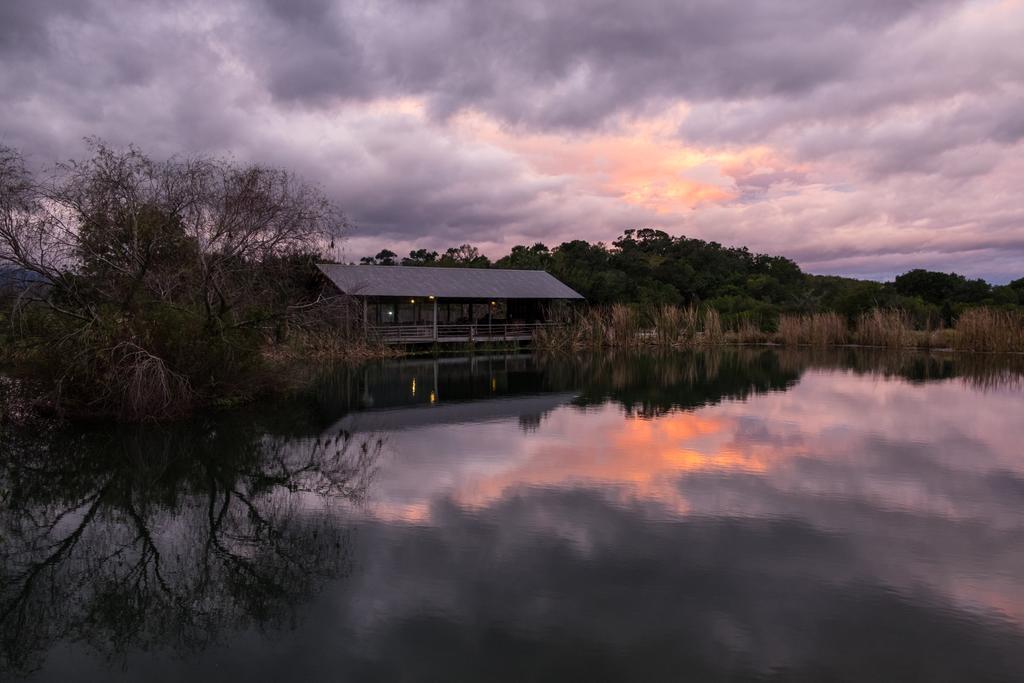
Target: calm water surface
x=739 y=515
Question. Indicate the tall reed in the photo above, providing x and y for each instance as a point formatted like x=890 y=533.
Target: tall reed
x=987 y=329
x=669 y=324
x=747 y=332
x=816 y=329
x=711 y=333
x=621 y=326
x=889 y=328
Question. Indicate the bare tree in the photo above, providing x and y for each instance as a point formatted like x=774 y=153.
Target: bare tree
x=142 y=259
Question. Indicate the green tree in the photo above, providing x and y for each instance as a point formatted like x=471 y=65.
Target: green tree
x=384 y=257
x=420 y=257
x=537 y=257
x=159 y=280
x=464 y=256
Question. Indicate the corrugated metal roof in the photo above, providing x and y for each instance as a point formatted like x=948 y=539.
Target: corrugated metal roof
x=455 y=283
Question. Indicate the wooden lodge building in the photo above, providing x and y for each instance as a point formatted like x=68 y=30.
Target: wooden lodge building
x=414 y=304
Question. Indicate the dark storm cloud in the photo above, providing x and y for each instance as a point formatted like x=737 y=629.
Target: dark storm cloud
x=884 y=118
x=25 y=26
x=564 y=63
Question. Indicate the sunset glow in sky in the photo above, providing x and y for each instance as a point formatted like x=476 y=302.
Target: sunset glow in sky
x=860 y=137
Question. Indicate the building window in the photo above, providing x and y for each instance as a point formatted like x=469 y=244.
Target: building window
x=499 y=310
x=480 y=313
x=406 y=313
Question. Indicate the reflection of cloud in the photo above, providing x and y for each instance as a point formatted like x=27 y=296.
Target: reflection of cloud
x=888 y=463
x=625 y=593
x=638 y=458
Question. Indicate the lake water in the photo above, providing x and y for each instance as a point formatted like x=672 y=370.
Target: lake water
x=747 y=514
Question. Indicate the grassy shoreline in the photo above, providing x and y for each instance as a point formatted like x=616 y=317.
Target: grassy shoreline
x=286 y=366
x=621 y=326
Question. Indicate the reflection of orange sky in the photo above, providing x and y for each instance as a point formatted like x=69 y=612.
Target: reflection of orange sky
x=828 y=416
x=640 y=458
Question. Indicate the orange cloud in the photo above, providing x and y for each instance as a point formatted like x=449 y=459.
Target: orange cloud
x=642 y=162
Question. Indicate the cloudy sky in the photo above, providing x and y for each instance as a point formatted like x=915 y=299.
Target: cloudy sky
x=860 y=137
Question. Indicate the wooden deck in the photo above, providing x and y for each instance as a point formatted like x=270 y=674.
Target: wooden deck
x=428 y=334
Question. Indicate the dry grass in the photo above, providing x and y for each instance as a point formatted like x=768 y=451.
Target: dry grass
x=817 y=329
x=329 y=345
x=987 y=329
x=749 y=333
x=669 y=323
x=712 y=333
x=888 y=328
x=621 y=326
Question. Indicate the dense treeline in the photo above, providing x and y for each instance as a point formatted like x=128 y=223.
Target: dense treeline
x=652 y=267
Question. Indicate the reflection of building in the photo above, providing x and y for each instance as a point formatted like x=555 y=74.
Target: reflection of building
x=529 y=410
x=405 y=304
x=417 y=392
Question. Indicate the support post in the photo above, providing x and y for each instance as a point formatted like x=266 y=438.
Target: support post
x=366 y=318
x=435 y=318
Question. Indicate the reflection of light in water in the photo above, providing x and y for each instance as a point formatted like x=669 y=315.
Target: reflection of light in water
x=433 y=397
x=414 y=387
x=630 y=458
x=835 y=443
x=640 y=459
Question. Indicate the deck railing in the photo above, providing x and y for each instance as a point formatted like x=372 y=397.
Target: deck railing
x=420 y=333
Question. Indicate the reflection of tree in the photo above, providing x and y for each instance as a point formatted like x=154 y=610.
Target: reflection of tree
x=649 y=384
x=166 y=538
x=978 y=370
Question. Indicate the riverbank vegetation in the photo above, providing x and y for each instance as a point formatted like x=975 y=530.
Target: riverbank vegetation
x=756 y=298
x=148 y=288
x=138 y=288
x=649 y=267
x=669 y=326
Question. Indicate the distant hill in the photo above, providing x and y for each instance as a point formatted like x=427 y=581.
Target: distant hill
x=16 y=278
